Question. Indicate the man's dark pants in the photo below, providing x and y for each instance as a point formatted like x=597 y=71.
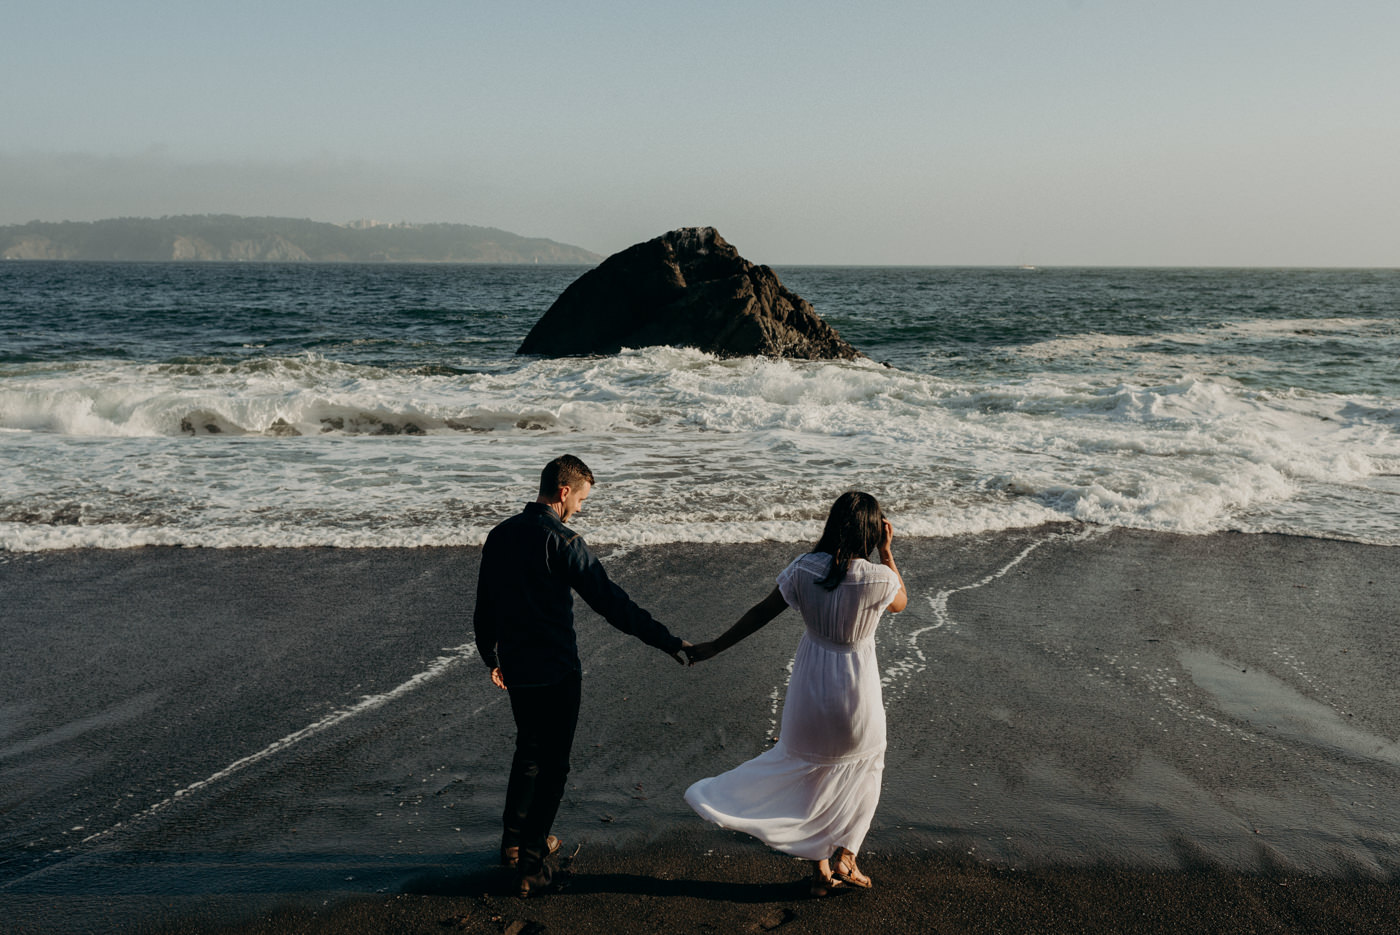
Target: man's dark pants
x=545 y=718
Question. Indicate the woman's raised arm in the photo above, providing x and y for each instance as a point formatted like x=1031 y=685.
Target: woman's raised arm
x=901 y=600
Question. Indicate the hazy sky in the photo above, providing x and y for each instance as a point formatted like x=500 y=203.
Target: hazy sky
x=1100 y=132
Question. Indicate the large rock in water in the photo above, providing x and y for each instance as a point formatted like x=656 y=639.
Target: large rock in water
x=688 y=288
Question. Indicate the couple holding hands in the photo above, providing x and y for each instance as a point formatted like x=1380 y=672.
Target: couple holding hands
x=812 y=795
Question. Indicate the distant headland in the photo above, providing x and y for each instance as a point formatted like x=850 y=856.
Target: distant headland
x=229 y=238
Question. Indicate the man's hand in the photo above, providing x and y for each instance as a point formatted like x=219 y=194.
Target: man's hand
x=680 y=654
x=497 y=678
x=700 y=652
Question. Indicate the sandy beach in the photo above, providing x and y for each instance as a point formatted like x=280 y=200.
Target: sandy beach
x=1090 y=730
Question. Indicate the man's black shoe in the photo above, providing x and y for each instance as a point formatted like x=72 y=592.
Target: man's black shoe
x=510 y=856
x=533 y=884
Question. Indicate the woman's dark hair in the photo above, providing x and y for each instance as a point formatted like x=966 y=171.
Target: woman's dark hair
x=853 y=530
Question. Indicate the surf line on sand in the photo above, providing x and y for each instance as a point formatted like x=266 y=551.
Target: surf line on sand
x=938 y=602
x=438 y=666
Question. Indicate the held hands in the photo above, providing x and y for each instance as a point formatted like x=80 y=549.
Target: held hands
x=701 y=652
x=757 y=617
x=680 y=654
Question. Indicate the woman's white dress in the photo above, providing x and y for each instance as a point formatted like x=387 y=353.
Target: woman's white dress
x=817 y=789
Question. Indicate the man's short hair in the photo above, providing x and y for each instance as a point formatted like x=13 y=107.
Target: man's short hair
x=563 y=471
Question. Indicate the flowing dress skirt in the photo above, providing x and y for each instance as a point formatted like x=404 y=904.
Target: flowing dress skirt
x=817 y=789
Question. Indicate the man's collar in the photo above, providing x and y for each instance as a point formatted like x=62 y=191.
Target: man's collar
x=536 y=506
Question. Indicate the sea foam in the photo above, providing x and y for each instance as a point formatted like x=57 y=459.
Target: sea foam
x=688 y=447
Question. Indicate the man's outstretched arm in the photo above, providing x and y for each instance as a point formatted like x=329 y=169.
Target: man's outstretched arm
x=592 y=583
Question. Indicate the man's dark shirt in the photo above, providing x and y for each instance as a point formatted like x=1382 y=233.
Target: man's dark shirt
x=524 y=615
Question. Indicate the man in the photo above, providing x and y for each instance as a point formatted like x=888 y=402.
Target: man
x=524 y=624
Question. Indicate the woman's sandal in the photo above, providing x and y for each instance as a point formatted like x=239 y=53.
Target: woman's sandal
x=823 y=883
x=844 y=869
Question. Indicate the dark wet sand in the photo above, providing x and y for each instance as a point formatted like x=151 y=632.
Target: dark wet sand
x=670 y=886
x=1089 y=732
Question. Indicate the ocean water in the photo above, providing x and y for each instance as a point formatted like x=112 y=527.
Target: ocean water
x=304 y=405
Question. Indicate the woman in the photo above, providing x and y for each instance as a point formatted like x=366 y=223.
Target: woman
x=814 y=793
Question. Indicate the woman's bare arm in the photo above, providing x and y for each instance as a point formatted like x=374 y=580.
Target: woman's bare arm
x=757 y=617
x=901 y=600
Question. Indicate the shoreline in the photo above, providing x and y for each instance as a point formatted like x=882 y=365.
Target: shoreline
x=603 y=546
x=1079 y=719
